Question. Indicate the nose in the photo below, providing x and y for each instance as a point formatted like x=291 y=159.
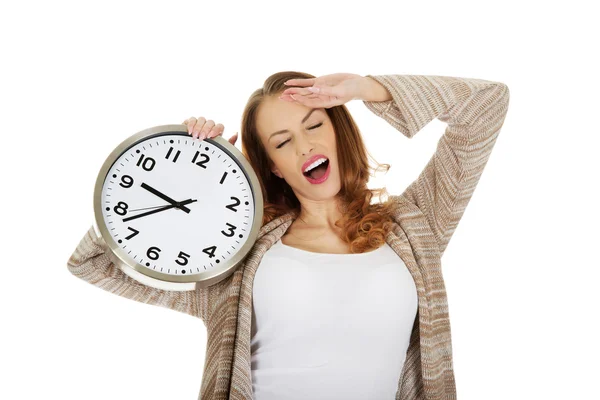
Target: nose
x=304 y=145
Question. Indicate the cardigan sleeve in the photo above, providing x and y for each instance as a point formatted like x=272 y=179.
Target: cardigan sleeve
x=474 y=110
x=91 y=263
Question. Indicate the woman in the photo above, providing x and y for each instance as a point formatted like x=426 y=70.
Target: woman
x=280 y=156
x=349 y=301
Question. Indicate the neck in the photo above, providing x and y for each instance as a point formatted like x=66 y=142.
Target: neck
x=319 y=214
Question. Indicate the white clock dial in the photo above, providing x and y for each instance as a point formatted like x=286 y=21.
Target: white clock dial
x=140 y=208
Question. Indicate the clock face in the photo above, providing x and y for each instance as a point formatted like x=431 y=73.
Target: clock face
x=177 y=205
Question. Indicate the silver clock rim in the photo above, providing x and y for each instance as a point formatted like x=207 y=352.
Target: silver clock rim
x=202 y=279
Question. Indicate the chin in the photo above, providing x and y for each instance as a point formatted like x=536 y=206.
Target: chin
x=326 y=190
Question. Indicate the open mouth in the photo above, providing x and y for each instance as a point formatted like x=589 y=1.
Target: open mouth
x=318 y=171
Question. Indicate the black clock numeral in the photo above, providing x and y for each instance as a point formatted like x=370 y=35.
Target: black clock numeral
x=126 y=181
x=183 y=256
x=121 y=208
x=231 y=230
x=210 y=251
x=201 y=163
x=176 y=154
x=135 y=232
x=234 y=204
x=147 y=162
x=152 y=253
x=223 y=177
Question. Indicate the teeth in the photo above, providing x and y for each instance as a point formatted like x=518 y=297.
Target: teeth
x=315 y=164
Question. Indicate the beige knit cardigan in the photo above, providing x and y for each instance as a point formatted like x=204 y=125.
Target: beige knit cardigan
x=427 y=215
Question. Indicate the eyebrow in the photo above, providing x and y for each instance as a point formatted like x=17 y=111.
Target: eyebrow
x=303 y=120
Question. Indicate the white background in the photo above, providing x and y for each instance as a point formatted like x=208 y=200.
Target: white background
x=79 y=77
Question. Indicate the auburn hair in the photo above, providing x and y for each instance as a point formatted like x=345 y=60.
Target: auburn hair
x=364 y=225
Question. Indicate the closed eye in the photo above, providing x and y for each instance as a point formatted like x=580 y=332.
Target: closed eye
x=312 y=127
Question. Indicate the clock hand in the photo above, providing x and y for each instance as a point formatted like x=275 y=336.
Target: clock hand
x=178 y=204
x=148 y=208
x=145 y=208
x=164 y=197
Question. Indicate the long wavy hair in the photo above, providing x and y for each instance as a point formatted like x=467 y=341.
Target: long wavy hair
x=364 y=225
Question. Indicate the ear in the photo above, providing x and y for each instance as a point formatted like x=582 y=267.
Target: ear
x=274 y=169
x=276 y=172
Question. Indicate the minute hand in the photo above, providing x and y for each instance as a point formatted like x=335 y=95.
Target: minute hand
x=177 y=204
x=164 y=197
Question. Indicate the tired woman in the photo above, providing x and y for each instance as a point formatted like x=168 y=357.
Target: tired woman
x=340 y=297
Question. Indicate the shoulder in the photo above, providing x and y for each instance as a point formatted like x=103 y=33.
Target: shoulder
x=405 y=212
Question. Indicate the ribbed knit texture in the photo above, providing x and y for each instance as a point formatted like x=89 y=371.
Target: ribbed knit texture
x=426 y=217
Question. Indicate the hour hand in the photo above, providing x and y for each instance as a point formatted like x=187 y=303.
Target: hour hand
x=165 y=197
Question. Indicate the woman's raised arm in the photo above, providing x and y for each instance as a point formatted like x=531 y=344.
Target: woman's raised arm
x=474 y=110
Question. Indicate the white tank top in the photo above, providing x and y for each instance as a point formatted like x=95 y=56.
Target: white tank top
x=330 y=326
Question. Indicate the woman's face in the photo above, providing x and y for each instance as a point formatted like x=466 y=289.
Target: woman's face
x=293 y=133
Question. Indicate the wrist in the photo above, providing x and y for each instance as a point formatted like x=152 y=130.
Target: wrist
x=371 y=90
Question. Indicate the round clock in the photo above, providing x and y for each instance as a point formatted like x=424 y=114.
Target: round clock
x=175 y=211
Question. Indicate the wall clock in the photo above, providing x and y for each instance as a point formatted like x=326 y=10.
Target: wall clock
x=175 y=212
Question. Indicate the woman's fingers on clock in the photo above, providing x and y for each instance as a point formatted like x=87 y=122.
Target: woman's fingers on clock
x=208 y=125
x=216 y=131
x=186 y=122
x=194 y=126
x=201 y=128
x=190 y=124
x=196 y=132
x=233 y=139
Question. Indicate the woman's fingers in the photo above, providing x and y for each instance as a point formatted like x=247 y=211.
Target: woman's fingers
x=201 y=128
x=301 y=82
x=233 y=139
x=334 y=91
x=187 y=121
x=190 y=123
x=314 y=92
x=215 y=131
x=208 y=125
x=198 y=126
x=312 y=101
x=297 y=90
x=325 y=91
x=295 y=94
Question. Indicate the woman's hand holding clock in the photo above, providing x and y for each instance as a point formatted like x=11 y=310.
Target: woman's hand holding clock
x=201 y=128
